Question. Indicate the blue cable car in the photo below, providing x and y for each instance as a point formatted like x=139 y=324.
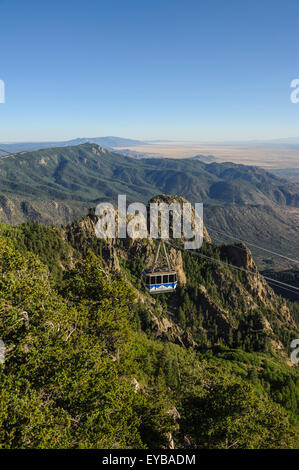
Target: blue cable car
x=162 y=279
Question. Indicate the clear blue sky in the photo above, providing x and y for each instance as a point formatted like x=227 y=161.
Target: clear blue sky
x=198 y=70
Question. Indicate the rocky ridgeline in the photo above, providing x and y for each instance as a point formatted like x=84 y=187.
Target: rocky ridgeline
x=250 y=296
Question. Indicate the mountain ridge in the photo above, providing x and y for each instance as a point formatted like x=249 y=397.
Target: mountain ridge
x=220 y=182
x=108 y=142
x=58 y=185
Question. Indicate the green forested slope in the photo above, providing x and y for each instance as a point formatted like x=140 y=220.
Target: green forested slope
x=88 y=172
x=86 y=366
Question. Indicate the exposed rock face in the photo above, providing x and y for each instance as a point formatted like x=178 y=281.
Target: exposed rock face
x=129 y=248
x=176 y=260
x=85 y=229
x=248 y=299
x=266 y=310
x=239 y=255
x=98 y=150
x=257 y=287
x=162 y=198
x=165 y=329
x=15 y=210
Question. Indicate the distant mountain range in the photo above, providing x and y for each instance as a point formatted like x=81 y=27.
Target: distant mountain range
x=107 y=142
x=112 y=142
x=59 y=184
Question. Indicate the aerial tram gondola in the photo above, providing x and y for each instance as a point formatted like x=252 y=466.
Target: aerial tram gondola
x=160 y=279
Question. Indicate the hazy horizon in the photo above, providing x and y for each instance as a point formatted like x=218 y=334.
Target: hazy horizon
x=130 y=137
